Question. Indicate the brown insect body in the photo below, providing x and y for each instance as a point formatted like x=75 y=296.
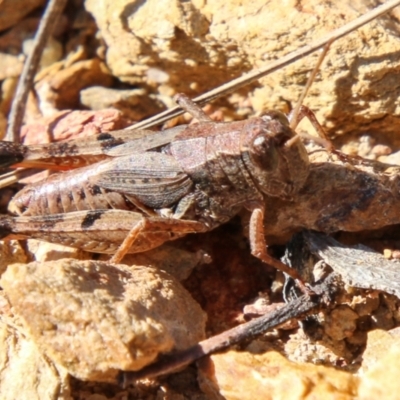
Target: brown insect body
x=234 y=164
x=74 y=190
x=207 y=174
x=68 y=192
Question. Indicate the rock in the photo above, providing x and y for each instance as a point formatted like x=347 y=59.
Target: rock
x=241 y=375
x=380 y=367
x=72 y=125
x=12 y=11
x=195 y=46
x=44 y=251
x=341 y=322
x=300 y=348
x=6 y=194
x=379 y=343
x=52 y=52
x=135 y=104
x=393 y=158
x=95 y=319
x=366 y=304
x=11 y=41
x=10 y=66
x=25 y=373
x=3 y=125
x=59 y=90
x=7 y=92
x=11 y=252
x=175 y=261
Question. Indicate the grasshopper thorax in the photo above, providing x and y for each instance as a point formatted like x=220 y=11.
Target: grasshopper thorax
x=278 y=168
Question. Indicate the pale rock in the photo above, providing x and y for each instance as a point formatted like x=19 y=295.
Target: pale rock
x=380 y=150
x=175 y=261
x=11 y=252
x=380 y=367
x=6 y=309
x=301 y=348
x=379 y=343
x=10 y=66
x=341 y=322
x=240 y=376
x=134 y=104
x=393 y=158
x=25 y=374
x=44 y=251
x=366 y=304
x=95 y=319
x=195 y=46
x=52 y=52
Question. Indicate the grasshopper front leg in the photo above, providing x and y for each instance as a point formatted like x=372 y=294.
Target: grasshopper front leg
x=259 y=247
x=99 y=231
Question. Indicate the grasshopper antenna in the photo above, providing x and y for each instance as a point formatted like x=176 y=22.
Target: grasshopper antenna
x=294 y=117
x=300 y=111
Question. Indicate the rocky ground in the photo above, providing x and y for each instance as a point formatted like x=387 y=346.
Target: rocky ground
x=70 y=321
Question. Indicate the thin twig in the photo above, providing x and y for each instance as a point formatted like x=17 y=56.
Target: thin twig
x=271 y=67
x=47 y=24
x=298 y=309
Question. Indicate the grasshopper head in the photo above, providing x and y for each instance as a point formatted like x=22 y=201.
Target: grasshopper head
x=278 y=168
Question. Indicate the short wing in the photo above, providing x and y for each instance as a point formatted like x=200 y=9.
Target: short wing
x=155 y=179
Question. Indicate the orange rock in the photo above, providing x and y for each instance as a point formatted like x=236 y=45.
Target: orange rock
x=95 y=319
x=380 y=368
x=72 y=125
x=240 y=375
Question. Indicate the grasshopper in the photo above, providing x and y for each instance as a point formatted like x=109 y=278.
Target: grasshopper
x=189 y=179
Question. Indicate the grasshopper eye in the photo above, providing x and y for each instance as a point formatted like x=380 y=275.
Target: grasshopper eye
x=277 y=116
x=282 y=118
x=264 y=153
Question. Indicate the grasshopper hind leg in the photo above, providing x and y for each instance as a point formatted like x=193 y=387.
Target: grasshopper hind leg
x=175 y=227
x=192 y=108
